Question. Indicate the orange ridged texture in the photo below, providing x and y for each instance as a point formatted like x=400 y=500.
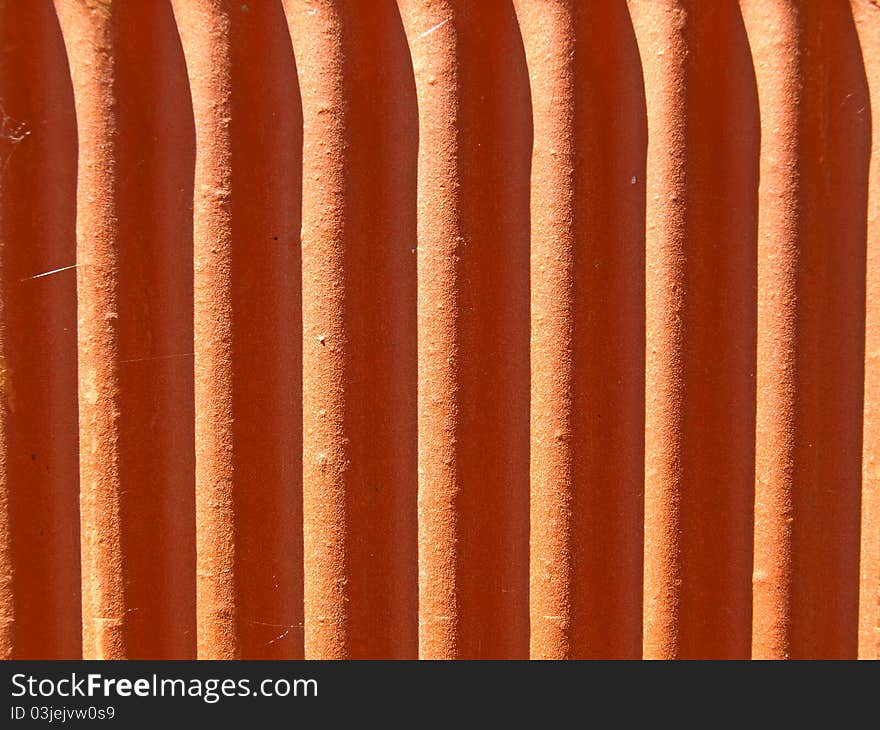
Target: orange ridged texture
x=248 y=127
x=587 y=329
x=811 y=329
x=134 y=293
x=439 y=329
x=703 y=148
x=475 y=135
x=359 y=336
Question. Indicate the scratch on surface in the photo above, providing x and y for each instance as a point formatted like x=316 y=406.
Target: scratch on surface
x=280 y=636
x=287 y=628
x=11 y=132
x=158 y=357
x=430 y=30
x=49 y=273
x=266 y=623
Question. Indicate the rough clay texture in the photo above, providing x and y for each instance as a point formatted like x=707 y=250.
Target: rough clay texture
x=439 y=328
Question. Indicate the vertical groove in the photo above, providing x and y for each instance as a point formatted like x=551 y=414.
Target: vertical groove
x=474 y=152
x=587 y=332
x=867 y=18
x=358 y=330
x=700 y=328
x=246 y=282
x=41 y=599
x=381 y=315
x=7 y=557
x=811 y=329
x=266 y=198
x=155 y=331
x=831 y=336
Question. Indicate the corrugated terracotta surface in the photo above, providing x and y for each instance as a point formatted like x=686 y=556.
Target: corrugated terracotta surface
x=439 y=328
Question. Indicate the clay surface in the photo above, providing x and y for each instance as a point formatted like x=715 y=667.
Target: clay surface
x=439 y=328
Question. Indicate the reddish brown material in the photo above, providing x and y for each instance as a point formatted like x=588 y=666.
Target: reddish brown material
x=474 y=149
x=359 y=334
x=587 y=329
x=700 y=328
x=89 y=37
x=811 y=332
x=39 y=528
x=868 y=28
x=134 y=292
x=438 y=328
x=246 y=275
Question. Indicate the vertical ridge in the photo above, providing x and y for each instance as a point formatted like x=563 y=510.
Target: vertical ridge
x=432 y=42
x=587 y=330
x=811 y=329
x=246 y=282
x=134 y=293
x=700 y=328
x=474 y=152
x=777 y=61
x=318 y=40
x=205 y=35
x=550 y=57
x=90 y=39
x=360 y=141
x=662 y=42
